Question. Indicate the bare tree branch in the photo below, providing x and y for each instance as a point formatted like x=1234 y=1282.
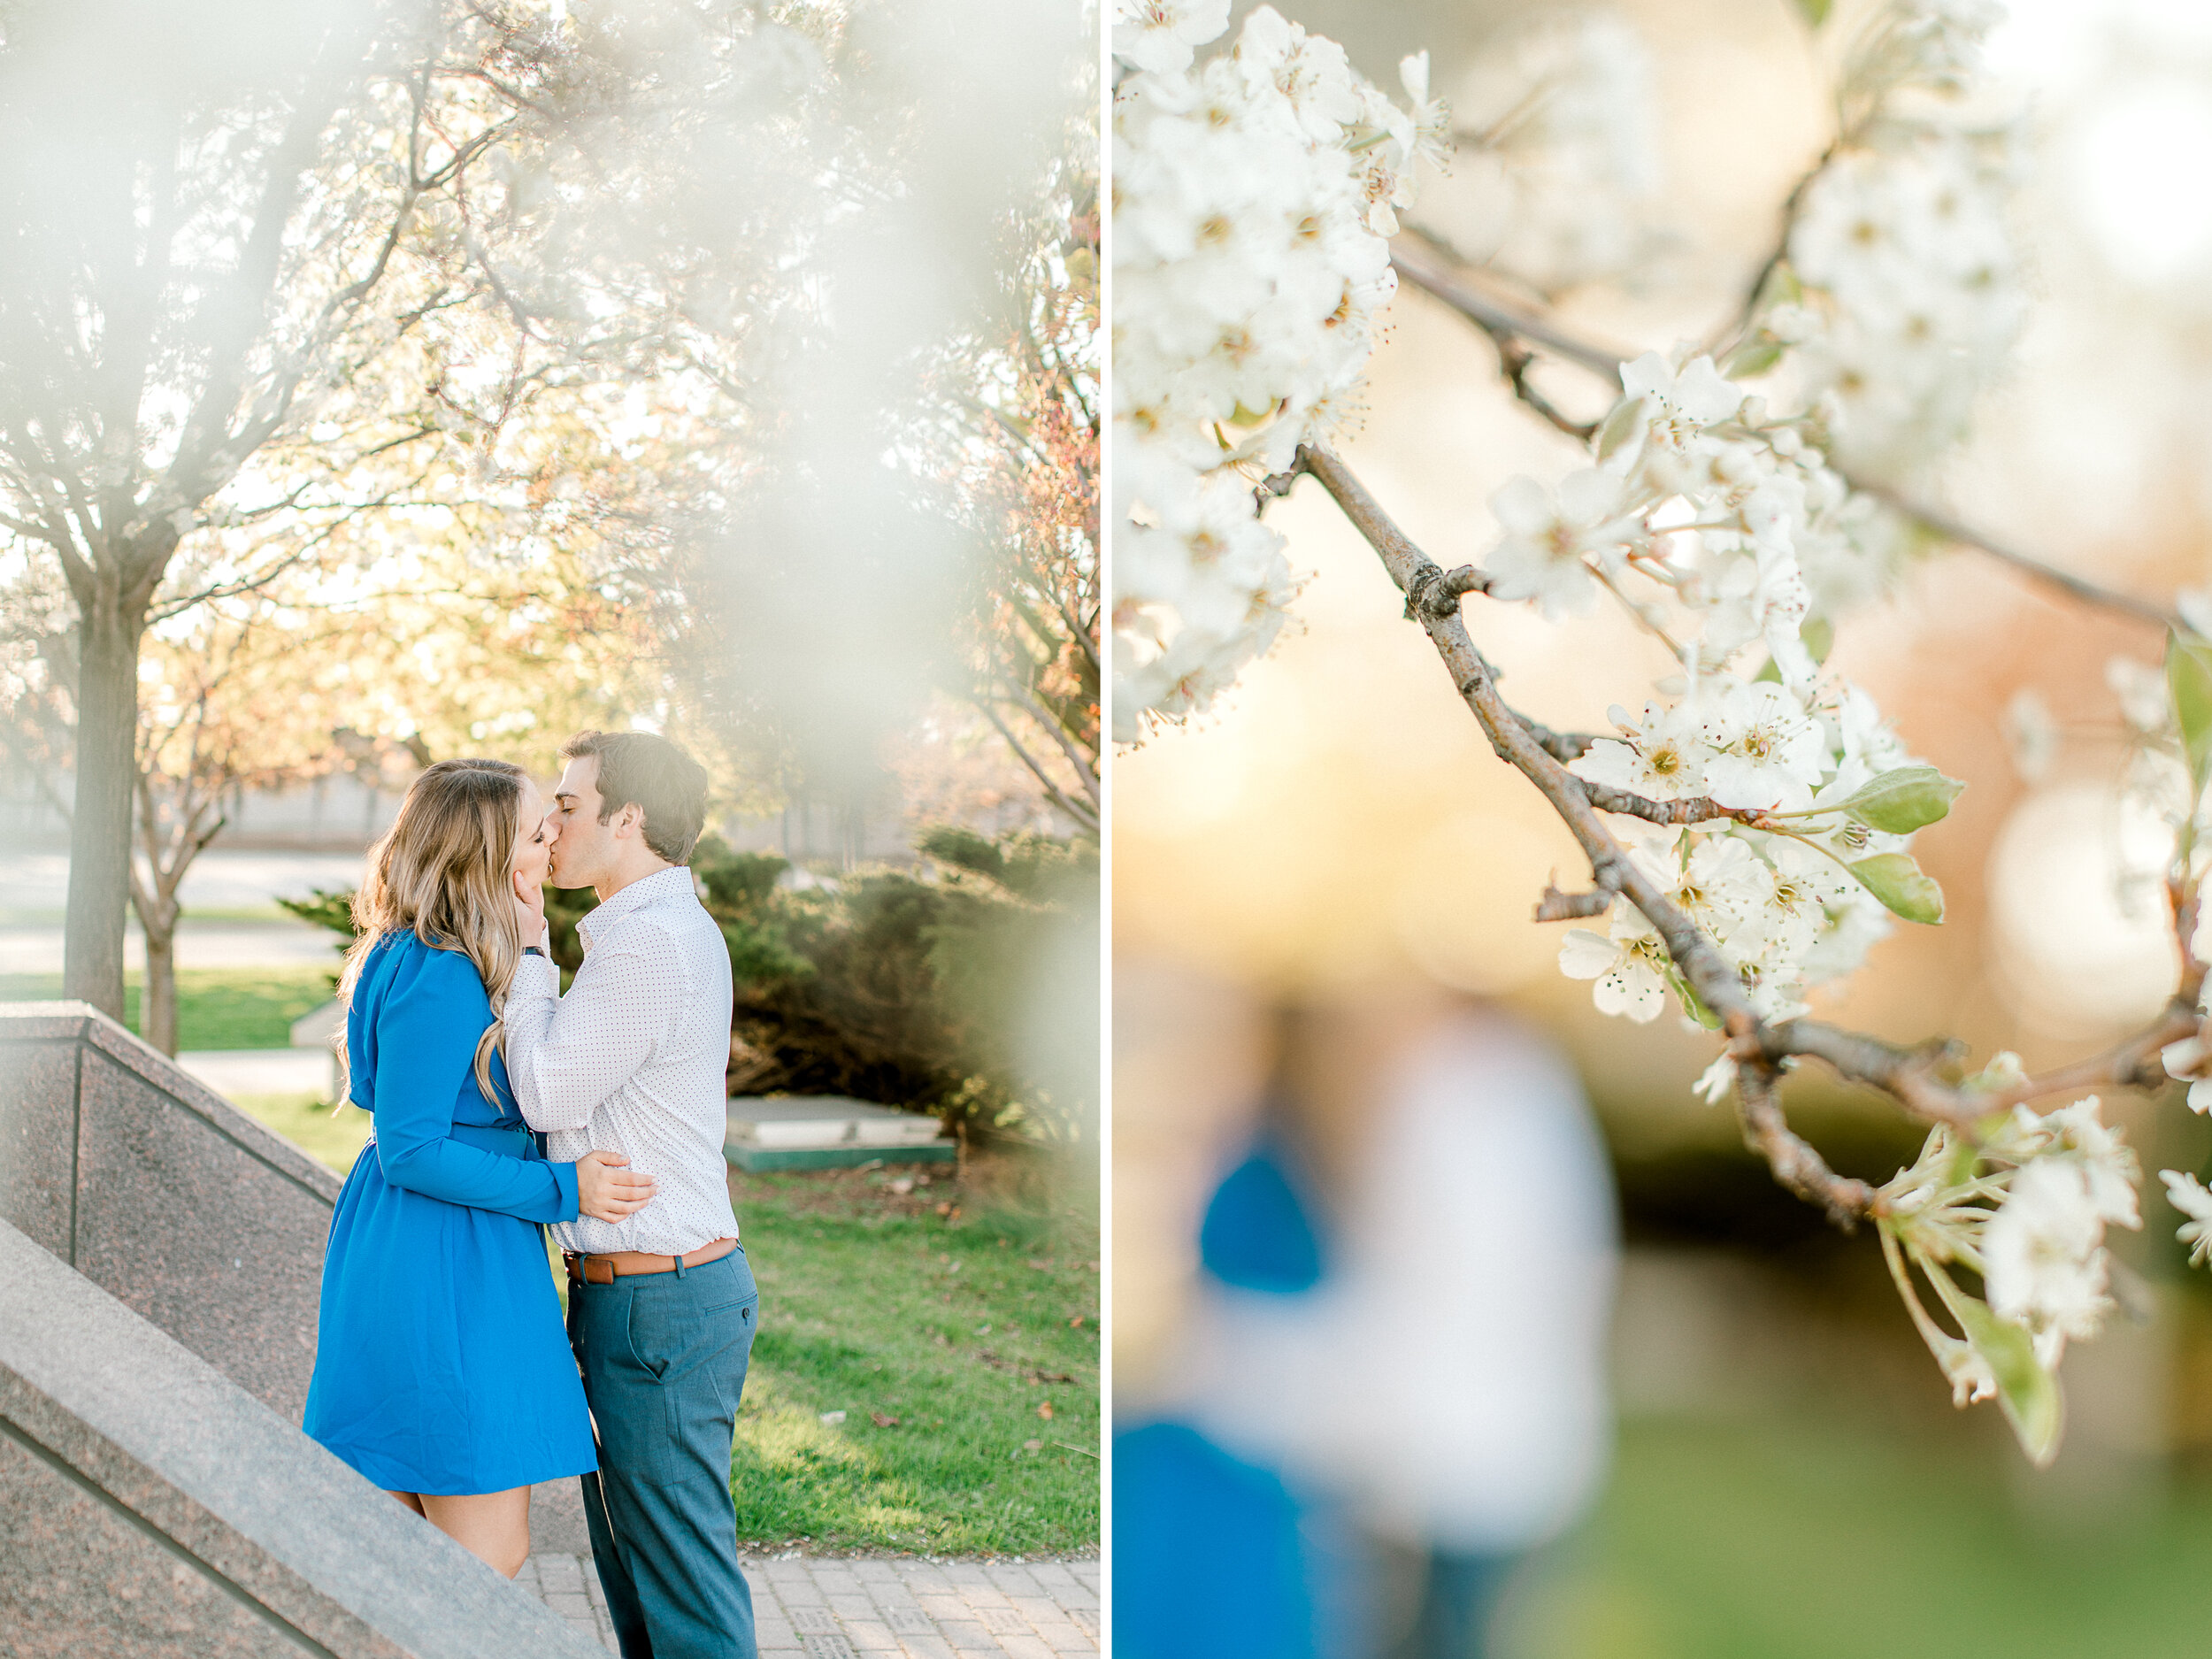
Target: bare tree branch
x=1913 y=1077
x=1555 y=906
x=1082 y=812
x=1513 y=330
x=1794 y=1163
x=1086 y=769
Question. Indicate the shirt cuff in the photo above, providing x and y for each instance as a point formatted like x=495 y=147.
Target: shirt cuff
x=564 y=1178
x=536 y=976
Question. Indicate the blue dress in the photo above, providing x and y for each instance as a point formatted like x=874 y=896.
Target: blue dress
x=441 y=1364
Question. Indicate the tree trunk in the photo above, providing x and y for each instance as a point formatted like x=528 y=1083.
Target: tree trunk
x=158 y=998
x=106 y=780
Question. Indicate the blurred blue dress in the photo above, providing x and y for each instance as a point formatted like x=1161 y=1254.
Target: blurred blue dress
x=441 y=1365
x=1216 y=1558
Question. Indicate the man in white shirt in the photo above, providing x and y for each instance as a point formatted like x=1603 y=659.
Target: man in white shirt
x=662 y=1307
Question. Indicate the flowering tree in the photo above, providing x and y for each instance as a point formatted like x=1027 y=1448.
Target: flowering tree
x=262 y=691
x=270 y=263
x=216 y=213
x=1019 y=461
x=773 y=224
x=1749 y=829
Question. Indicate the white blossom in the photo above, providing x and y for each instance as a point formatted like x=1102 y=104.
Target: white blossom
x=2188 y=1194
x=1660 y=755
x=2190 y=1058
x=1161 y=35
x=1723 y=886
x=2079 y=1132
x=1626 y=962
x=2043 y=1256
x=1714 y=1083
x=1676 y=405
x=1252 y=193
x=1760 y=594
x=1545 y=553
x=1766 y=751
x=1557 y=167
x=2145 y=703
x=1909 y=270
x=1310 y=76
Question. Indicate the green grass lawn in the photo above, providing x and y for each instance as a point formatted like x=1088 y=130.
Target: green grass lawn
x=217 y=1007
x=941 y=1338
x=1812 y=1539
x=944 y=1340
x=333 y=1135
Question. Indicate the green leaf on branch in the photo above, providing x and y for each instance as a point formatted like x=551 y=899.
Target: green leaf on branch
x=1754 y=357
x=1819 y=635
x=1620 y=427
x=1904 y=799
x=2027 y=1393
x=2189 y=683
x=1816 y=11
x=1692 y=1005
x=1895 y=880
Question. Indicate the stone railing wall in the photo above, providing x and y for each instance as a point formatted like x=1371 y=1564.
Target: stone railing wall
x=150 y=1506
x=164 y=1194
x=180 y=1206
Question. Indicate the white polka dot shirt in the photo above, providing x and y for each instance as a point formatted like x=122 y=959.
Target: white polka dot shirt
x=632 y=1060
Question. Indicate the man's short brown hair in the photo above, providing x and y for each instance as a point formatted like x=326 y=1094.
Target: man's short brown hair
x=642 y=770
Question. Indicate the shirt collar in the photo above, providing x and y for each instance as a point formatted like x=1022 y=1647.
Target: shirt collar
x=658 y=888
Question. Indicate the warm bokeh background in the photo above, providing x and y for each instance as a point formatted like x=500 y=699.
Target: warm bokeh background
x=1339 y=827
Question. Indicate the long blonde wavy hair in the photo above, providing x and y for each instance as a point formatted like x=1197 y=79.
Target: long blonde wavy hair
x=441 y=872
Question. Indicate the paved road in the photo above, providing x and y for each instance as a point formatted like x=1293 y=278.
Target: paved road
x=33 y=886
x=36 y=884
x=812 y=1608
x=37 y=950
x=231 y=1073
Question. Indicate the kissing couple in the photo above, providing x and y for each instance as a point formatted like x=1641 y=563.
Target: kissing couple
x=501 y=1105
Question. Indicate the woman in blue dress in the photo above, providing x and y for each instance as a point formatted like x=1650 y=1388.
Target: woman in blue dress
x=442 y=1372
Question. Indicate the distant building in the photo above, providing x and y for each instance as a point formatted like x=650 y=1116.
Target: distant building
x=342 y=813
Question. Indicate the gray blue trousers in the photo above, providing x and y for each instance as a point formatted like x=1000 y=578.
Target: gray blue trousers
x=664 y=1357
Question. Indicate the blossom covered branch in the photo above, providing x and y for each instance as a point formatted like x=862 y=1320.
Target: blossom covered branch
x=1765 y=810
x=2042 y=1260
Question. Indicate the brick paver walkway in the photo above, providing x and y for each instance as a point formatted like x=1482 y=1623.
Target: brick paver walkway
x=807 y=1607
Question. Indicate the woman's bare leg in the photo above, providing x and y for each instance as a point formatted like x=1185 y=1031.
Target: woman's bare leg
x=410 y=1500
x=493 y=1526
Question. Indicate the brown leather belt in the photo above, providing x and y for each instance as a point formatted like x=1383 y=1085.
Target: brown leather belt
x=604 y=1270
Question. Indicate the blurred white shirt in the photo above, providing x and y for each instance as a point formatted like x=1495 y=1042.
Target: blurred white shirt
x=1447 y=1378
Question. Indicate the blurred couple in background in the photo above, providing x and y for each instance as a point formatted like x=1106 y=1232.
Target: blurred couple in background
x=1389 y=1382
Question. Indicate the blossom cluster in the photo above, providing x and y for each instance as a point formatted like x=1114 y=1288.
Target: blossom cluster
x=1698 y=512
x=1555 y=169
x=1254 y=193
x=2024 y=1201
x=1900 y=296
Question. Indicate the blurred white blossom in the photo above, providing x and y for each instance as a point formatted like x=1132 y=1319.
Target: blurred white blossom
x=2188 y=1194
x=2043 y=1256
x=1253 y=193
x=1556 y=170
